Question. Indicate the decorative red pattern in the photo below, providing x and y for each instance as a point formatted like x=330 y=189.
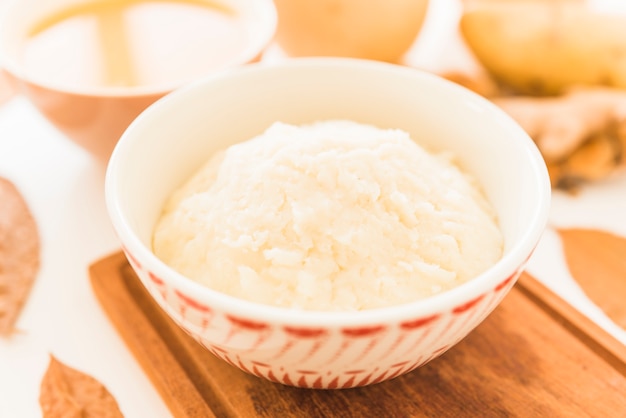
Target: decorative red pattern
x=307 y=371
x=160 y=284
x=318 y=344
x=287 y=380
x=467 y=305
x=334 y=384
x=440 y=350
x=157 y=280
x=256 y=372
x=318 y=383
x=365 y=381
x=411 y=337
x=349 y=383
x=192 y=303
x=370 y=345
x=417 y=363
x=302 y=382
x=418 y=323
x=228 y=360
x=216 y=348
x=395 y=345
x=300 y=377
x=286 y=347
x=363 y=331
x=505 y=282
x=305 y=332
x=132 y=259
x=379 y=378
x=461 y=322
x=413 y=347
x=397 y=373
x=408 y=327
x=243 y=366
x=247 y=324
x=271 y=377
x=262 y=330
x=434 y=354
x=355 y=371
x=344 y=346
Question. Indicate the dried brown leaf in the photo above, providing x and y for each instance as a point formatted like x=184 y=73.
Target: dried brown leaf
x=19 y=255
x=69 y=393
x=597 y=261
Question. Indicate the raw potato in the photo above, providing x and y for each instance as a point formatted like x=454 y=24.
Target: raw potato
x=544 y=47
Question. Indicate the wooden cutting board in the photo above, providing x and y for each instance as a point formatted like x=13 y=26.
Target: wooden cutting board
x=534 y=356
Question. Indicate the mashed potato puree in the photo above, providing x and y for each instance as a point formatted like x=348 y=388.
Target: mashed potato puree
x=333 y=216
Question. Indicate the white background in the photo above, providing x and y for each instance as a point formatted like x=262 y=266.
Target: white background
x=64 y=189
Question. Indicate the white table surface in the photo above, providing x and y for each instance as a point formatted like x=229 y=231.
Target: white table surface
x=63 y=186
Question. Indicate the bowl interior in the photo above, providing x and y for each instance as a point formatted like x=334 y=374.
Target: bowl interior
x=169 y=141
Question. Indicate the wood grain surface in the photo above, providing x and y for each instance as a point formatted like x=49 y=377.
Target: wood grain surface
x=534 y=356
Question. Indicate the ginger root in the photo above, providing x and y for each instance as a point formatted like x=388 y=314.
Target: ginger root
x=597 y=158
x=560 y=125
x=581 y=134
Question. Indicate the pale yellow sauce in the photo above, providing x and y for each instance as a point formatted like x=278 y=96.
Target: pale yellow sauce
x=133 y=43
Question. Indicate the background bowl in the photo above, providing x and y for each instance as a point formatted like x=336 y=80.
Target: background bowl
x=379 y=29
x=171 y=139
x=93 y=116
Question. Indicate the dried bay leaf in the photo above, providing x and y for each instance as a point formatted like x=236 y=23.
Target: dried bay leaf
x=597 y=261
x=19 y=255
x=69 y=393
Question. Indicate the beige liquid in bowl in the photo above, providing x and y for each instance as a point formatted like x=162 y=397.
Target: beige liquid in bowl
x=133 y=43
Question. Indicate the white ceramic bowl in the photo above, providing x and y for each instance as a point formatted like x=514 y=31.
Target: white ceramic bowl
x=173 y=137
